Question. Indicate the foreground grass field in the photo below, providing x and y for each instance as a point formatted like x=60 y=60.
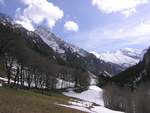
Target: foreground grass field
x=21 y=101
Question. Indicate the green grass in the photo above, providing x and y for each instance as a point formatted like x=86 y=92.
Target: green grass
x=23 y=101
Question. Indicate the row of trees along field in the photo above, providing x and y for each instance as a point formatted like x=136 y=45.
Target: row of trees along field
x=23 y=65
x=125 y=99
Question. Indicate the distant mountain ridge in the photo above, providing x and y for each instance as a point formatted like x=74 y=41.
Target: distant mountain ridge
x=125 y=57
x=136 y=74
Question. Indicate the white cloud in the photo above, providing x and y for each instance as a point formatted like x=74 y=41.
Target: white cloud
x=71 y=26
x=126 y=7
x=134 y=33
x=38 y=11
x=112 y=38
x=131 y=34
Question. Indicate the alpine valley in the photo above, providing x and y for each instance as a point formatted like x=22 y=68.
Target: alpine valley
x=42 y=73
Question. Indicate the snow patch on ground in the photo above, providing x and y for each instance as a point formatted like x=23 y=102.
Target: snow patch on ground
x=76 y=107
x=90 y=101
x=93 y=94
x=93 y=78
x=64 y=84
x=1 y=84
x=60 y=83
x=6 y=80
x=100 y=109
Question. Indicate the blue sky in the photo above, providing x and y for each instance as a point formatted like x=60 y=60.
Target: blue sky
x=94 y=25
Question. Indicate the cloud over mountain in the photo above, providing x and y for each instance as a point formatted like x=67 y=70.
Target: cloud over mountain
x=37 y=12
x=71 y=26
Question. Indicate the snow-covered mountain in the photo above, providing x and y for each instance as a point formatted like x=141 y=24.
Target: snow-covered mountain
x=136 y=74
x=125 y=57
x=57 y=44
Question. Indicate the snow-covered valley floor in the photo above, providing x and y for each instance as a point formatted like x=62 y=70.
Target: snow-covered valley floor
x=90 y=101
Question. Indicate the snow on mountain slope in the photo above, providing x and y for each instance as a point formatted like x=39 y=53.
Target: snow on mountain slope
x=125 y=57
x=57 y=44
x=90 y=101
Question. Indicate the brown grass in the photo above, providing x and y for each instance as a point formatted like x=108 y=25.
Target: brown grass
x=21 y=101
